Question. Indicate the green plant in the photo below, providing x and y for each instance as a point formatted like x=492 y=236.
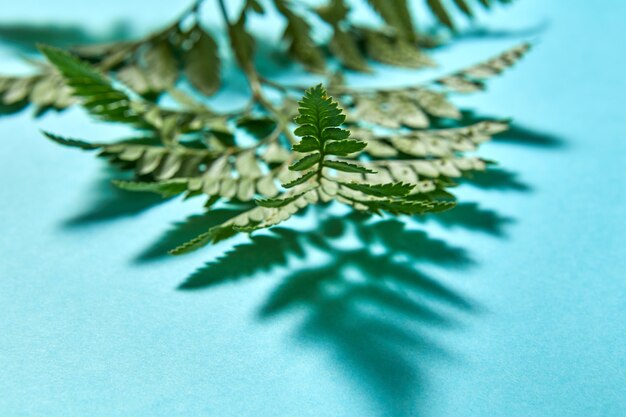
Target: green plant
x=184 y=50
x=401 y=151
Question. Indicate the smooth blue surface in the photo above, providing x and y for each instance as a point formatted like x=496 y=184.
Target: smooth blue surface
x=88 y=328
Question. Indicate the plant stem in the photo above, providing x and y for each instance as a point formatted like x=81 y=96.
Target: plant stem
x=255 y=83
x=224 y=12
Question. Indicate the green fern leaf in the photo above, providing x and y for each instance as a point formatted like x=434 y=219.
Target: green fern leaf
x=396 y=14
x=298 y=35
x=344 y=147
x=306 y=162
x=73 y=143
x=97 y=94
x=396 y=189
x=319 y=120
x=202 y=63
x=169 y=188
x=348 y=167
x=400 y=163
x=301 y=180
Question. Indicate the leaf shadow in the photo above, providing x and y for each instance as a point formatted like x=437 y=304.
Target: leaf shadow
x=111 y=202
x=496 y=179
x=183 y=231
x=26 y=35
x=471 y=216
x=517 y=134
x=484 y=32
x=373 y=305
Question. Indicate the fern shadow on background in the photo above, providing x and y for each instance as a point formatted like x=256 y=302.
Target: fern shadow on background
x=372 y=305
x=481 y=32
x=110 y=202
x=518 y=134
x=497 y=179
x=472 y=217
x=374 y=314
x=26 y=35
x=184 y=231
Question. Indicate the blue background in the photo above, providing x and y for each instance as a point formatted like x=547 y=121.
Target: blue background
x=527 y=318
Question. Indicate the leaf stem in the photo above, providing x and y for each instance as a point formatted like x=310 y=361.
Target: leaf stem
x=193 y=9
x=224 y=12
x=255 y=82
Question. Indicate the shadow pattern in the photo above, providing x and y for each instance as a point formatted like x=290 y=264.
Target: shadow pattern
x=112 y=202
x=373 y=305
x=517 y=134
x=25 y=36
x=376 y=306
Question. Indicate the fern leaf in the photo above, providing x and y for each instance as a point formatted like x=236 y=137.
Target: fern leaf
x=433 y=143
x=196 y=243
x=73 y=143
x=348 y=167
x=471 y=79
x=306 y=162
x=146 y=157
x=320 y=119
x=242 y=43
x=394 y=50
x=169 y=188
x=278 y=202
x=438 y=9
x=400 y=163
x=151 y=65
x=344 y=147
x=301 y=180
x=443 y=14
x=396 y=14
x=162 y=65
x=202 y=63
x=298 y=35
x=97 y=94
x=395 y=189
x=343 y=44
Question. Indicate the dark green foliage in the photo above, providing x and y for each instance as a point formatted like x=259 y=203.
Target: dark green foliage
x=397 y=189
x=323 y=166
x=321 y=178
x=376 y=150
x=166 y=189
x=153 y=65
x=443 y=14
x=201 y=62
x=96 y=92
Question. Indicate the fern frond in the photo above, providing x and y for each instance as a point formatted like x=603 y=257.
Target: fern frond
x=201 y=63
x=434 y=143
x=444 y=16
x=146 y=156
x=397 y=16
x=391 y=49
x=415 y=107
x=187 y=53
x=472 y=79
x=403 y=149
x=153 y=64
x=322 y=177
x=230 y=173
x=344 y=45
x=168 y=188
x=44 y=90
x=298 y=35
x=97 y=94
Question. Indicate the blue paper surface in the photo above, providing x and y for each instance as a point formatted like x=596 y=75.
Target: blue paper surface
x=527 y=318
